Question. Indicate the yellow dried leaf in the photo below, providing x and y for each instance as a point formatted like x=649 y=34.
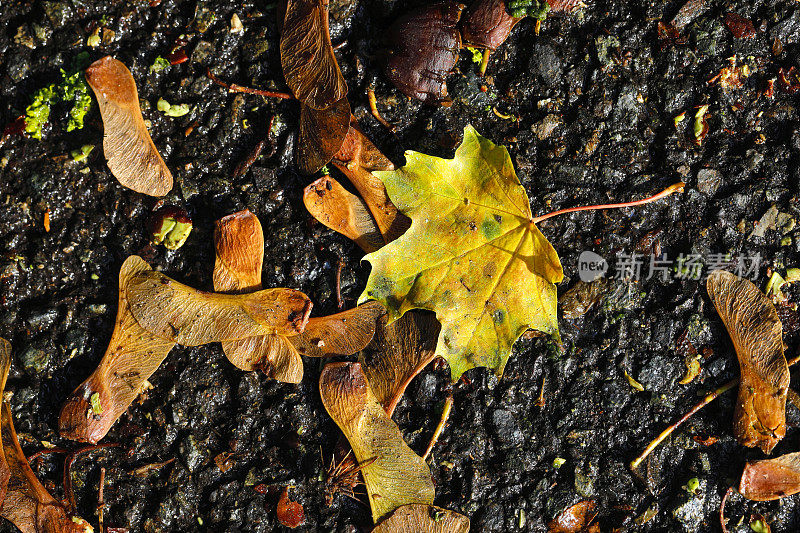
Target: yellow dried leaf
x=397 y=476
x=132 y=356
x=472 y=254
x=417 y=518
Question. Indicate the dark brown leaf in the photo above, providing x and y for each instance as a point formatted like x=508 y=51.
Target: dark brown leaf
x=309 y=66
x=754 y=327
x=771 y=479
x=132 y=157
x=399 y=352
x=424 y=49
x=321 y=134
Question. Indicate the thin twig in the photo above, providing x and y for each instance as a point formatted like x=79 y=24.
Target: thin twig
x=339 y=301
x=233 y=88
x=100 y=500
x=69 y=494
x=448 y=406
x=373 y=108
x=705 y=401
x=44 y=452
x=722 y=519
x=676 y=187
x=484 y=62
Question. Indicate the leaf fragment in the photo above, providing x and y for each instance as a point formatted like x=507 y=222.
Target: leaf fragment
x=472 y=254
x=131 y=155
x=397 y=476
x=356 y=159
x=575 y=519
x=756 y=332
x=771 y=479
x=132 y=356
x=307 y=58
x=239 y=243
x=397 y=353
x=487 y=24
x=23 y=499
x=321 y=134
x=192 y=317
x=416 y=518
x=342 y=211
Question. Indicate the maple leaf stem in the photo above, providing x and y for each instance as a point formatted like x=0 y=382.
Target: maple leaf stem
x=710 y=397
x=676 y=187
x=233 y=88
x=448 y=405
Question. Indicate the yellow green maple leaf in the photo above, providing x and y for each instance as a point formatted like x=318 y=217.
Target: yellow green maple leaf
x=472 y=254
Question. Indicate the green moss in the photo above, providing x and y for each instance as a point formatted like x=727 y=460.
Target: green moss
x=37 y=114
x=533 y=8
x=172 y=110
x=83 y=153
x=159 y=64
x=75 y=91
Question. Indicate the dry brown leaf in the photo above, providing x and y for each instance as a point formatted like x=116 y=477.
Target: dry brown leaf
x=191 y=317
x=575 y=519
x=307 y=58
x=771 y=479
x=399 y=352
x=25 y=502
x=342 y=211
x=344 y=333
x=356 y=159
x=397 y=476
x=241 y=240
x=417 y=518
x=132 y=356
x=754 y=327
x=321 y=134
x=132 y=157
x=239 y=243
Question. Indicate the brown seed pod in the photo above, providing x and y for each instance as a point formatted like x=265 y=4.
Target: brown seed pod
x=416 y=518
x=771 y=479
x=321 y=134
x=424 y=49
x=132 y=157
x=756 y=332
x=487 y=24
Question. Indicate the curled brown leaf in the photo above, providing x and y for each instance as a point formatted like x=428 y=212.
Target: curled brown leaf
x=132 y=356
x=754 y=327
x=416 y=518
x=25 y=502
x=342 y=211
x=397 y=476
x=132 y=157
x=356 y=159
x=487 y=24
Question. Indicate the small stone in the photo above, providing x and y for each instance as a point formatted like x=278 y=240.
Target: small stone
x=708 y=181
x=34 y=359
x=545 y=127
x=505 y=427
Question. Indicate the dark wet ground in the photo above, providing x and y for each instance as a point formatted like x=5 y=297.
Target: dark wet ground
x=596 y=93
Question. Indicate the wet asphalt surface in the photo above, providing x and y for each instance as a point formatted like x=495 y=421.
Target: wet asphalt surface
x=591 y=102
